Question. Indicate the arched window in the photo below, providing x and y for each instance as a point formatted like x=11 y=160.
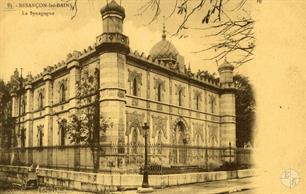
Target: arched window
x=198 y=102
x=62 y=131
x=23 y=137
x=212 y=103
x=134 y=141
x=135 y=92
x=62 y=93
x=23 y=106
x=40 y=135
x=180 y=97
x=159 y=142
x=159 y=88
x=40 y=101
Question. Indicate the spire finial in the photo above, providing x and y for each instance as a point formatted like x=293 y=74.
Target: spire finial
x=164 y=29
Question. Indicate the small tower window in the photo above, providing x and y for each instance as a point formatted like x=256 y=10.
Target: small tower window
x=135 y=92
x=62 y=93
x=180 y=97
x=159 y=88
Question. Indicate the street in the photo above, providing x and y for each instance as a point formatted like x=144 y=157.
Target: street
x=234 y=186
x=238 y=186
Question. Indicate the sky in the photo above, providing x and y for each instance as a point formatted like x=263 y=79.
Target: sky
x=34 y=42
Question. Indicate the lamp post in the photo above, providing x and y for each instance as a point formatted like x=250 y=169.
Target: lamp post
x=145 y=180
x=145 y=188
x=230 y=152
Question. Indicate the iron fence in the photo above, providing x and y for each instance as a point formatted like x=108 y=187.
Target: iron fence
x=129 y=158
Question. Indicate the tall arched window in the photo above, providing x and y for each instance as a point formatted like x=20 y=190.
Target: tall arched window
x=212 y=102
x=134 y=141
x=159 y=88
x=40 y=135
x=62 y=93
x=62 y=131
x=135 y=92
x=40 y=101
x=198 y=102
x=23 y=106
x=180 y=97
x=23 y=137
x=159 y=142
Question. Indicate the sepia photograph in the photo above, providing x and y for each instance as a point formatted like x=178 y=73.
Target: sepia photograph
x=153 y=96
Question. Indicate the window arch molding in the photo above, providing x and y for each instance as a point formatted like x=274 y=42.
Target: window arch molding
x=159 y=86
x=135 y=80
x=62 y=93
x=40 y=100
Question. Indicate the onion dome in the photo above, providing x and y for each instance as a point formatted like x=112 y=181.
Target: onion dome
x=226 y=66
x=112 y=8
x=164 y=50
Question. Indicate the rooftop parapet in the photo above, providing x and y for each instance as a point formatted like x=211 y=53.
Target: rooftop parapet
x=201 y=76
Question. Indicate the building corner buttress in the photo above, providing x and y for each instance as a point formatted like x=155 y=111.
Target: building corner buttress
x=227 y=105
x=113 y=47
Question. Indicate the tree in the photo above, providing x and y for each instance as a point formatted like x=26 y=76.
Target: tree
x=245 y=110
x=227 y=20
x=85 y=126
x=6 y=121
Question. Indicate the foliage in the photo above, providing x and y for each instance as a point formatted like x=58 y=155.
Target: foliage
x=245 y=110
x=80 y=130
x=6 y=120
x=227 y=20
x=86 y=126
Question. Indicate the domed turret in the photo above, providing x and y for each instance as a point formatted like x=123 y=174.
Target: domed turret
x=113 y=7
x=112 y=16
x=164 y=50
x=226 y=72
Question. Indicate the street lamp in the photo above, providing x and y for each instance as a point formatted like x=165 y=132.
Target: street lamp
x=145 y=188
x=145 y=181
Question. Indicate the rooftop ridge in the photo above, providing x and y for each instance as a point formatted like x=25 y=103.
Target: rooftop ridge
x=202 y=75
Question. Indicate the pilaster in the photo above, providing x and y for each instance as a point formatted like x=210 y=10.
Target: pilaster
x=48 y=129
x=74 y=78
x=29 y=115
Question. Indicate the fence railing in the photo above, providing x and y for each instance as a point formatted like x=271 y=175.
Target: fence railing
x=129 y=158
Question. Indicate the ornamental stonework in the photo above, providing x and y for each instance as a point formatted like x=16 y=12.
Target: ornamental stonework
x=159 y=124
x=133 y=74
x=198 y=131
x=134 y=120
x=213 y=134
x=162 y=83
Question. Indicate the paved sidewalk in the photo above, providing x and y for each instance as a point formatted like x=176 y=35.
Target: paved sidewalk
x=226 y=186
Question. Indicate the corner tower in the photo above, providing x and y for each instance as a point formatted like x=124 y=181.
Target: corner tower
x=227 y=105
x=113 y=47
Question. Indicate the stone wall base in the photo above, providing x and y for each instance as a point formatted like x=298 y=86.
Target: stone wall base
x=97 y=182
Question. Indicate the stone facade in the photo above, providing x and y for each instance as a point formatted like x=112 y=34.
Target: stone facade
x=182 y=108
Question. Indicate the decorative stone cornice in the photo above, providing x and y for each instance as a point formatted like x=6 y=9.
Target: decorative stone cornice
x=73 y=64
x=74 y=56
x=47 y=77
x=112 y=41
x=28 y=86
